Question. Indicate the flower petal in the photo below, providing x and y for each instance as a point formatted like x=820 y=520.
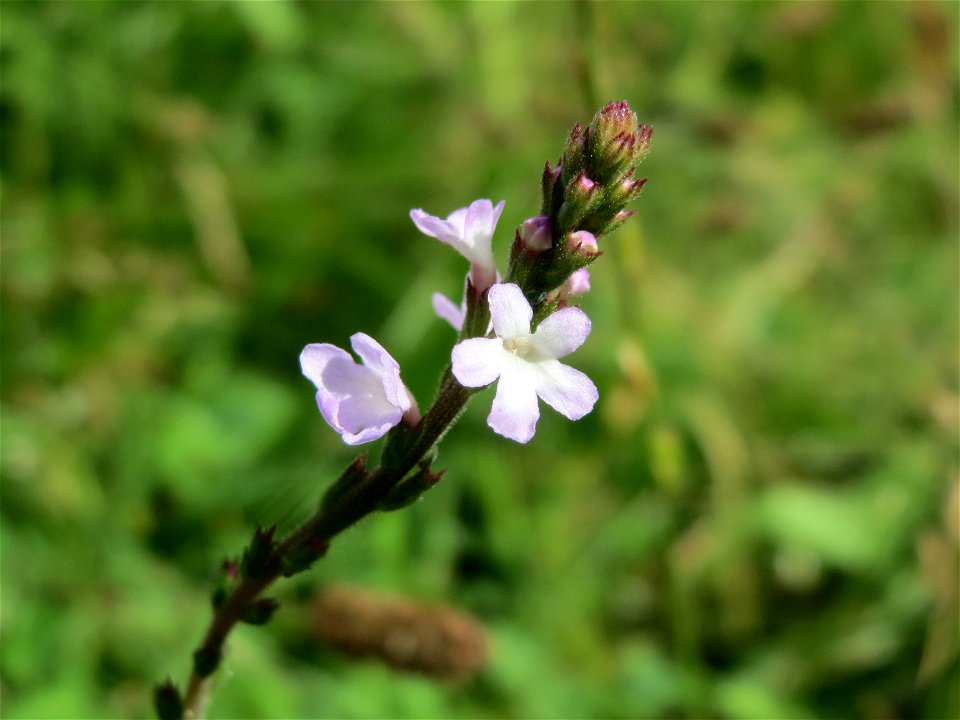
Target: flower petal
x=366 y=416
x=515 y=410
x=561 y=333
x=433 y=226
x=447 y=310
x=477 y=362
x=382 y=363
x=367 y=434
x=352 y=401
x=314 y=358
x=510 y=312
x=479 y=225
x=565 y=389
x=361 y=402
x=469 y=231
x=457 y=220
x=343 y=377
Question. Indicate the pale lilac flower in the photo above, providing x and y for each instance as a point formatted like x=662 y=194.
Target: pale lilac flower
x=361 y=402
x=574 y=286
x=470 y=231
x=526 y=363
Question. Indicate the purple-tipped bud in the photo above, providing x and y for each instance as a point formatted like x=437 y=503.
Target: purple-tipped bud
x=582 y=243
x=613 y=119
x=547 y=183
x=619 y=219
x=258 y=554
x=574 y=154
x=583 y=196
x=577 y=284
x=536 y=233
x=574 y=286
x=627 y=190
x=578 y=201
x=230 y=568
x=644 y=138
x=617 y=142
x=581 y=191
x=583 y=186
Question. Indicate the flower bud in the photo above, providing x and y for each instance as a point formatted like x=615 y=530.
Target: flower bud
x=574 y=159
x=230 y=569
x=616 y=142
x=167 y=701
x=644 y=138
x=536 y=233
x=583 y=196
x=300 y=558
x=548 y=185
x=627 y=190
x=355 y=474
x=578 y=199
x=574 y=286
x=257 y=556
x=619 y=219
x=582 y=189
x=409 y=490
x=582 y=242
x=206 y=660
x=260 y=612
x=577 y=284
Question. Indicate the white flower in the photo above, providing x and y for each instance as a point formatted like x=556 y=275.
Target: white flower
x=526 y=364
x=470 y=231
x=361 y=402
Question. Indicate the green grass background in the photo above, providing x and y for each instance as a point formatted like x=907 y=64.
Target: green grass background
x=759 y=519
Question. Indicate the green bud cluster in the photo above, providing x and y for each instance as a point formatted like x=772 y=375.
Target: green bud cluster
x=586 y=192
x=596 y=172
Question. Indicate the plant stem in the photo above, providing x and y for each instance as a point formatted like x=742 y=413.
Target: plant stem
x=334 y=516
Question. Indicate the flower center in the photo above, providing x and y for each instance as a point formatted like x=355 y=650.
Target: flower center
x=519 y=346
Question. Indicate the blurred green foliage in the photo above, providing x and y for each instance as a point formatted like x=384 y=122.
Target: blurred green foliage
x=759 y=520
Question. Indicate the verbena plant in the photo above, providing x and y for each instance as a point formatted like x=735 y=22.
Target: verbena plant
x=512 y=330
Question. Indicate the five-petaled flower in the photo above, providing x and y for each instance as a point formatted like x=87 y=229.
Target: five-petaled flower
x=470 y=231
x=526 y=364
x=361 y=402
